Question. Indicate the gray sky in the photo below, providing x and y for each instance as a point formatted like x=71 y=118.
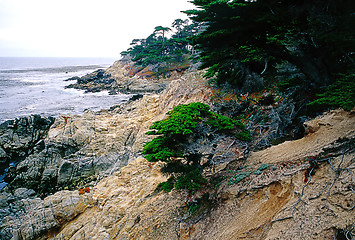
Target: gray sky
x=81 y=28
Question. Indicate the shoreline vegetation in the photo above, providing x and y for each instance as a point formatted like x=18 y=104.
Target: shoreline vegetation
x=229 y=134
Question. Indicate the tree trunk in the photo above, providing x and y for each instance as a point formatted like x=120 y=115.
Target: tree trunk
x=315 y=70
x=313 y=67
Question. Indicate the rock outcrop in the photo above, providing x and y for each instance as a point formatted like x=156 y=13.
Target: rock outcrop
x=93 y=82
x=28 y=217
x=19 y=139
x=80 y=150
x=104 y=189
x=121 y=77
x=274 y=203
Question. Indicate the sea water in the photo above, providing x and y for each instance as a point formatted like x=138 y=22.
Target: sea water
x=36 y=86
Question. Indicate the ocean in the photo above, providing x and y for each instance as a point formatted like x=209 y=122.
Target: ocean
x=36 y=86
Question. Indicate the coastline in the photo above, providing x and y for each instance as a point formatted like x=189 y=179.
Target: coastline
x=36 y=86
x=87 y=177
x=134 y=88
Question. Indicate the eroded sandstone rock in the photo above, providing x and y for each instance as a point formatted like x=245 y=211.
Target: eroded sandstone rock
x=81 y=150
x=275 y=202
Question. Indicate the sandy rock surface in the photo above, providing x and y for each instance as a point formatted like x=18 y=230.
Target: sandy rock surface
x=302 y=189
x=276 y=204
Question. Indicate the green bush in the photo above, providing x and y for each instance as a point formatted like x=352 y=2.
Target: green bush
x=340 y=94
x=289 y=83
x=221 y=122
x=158 y=150
x=182 y=122
x=173 y=132
x=244 y=135
x=239 y=177
x=168 y=185
x=191 y=180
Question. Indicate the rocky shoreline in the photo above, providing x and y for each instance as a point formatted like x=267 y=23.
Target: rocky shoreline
x=19 y=139
x=37 y=155
x=121 y=77
x=73 y=152
x=83 y=177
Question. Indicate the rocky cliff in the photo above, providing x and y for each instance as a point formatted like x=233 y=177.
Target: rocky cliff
x=104 y=189
x=123 y=77
x=78 y=151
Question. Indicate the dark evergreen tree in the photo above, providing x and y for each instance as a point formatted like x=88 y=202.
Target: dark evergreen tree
x=244 y=37
x=158 y=49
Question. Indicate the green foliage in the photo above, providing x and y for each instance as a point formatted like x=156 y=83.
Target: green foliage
x=182 y=122
x=158 y=151
x=191 y=180
x=168 y=185
x=239 y=177
x=244 y=135
x=173 y=133
x=243 y=37
x=158 y=49
x=261 y=168
x=188 y=178
x=289 y=83
x=340 y=94
x=193 y=207
x=222 y=122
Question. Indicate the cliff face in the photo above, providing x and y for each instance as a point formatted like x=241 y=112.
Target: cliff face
x=123 y=77
x=300 y=189
x=80 y=150
x=277 y=203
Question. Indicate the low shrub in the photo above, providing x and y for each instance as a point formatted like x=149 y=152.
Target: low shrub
x=183 y=122
x=168 y=185
x=340 y=94
x=239 y=177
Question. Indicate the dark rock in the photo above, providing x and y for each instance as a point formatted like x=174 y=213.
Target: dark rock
x=73 y=78
x=20 y=137
x=136 y=97
x=94 y=82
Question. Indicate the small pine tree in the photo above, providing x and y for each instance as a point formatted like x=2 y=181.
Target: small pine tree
x=173 y=132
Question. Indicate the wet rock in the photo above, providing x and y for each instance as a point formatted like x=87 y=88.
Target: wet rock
x=13 y=208
x=73 y=78
x=19 y=137
x=79 y=151
x=118 y=79
x=93 y=82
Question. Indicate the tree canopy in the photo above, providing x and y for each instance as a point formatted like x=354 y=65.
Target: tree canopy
x=158 y=48
x=243 y=37
x=186 y=122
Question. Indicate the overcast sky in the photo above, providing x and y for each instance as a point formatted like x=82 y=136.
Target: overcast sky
x=81 y=28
